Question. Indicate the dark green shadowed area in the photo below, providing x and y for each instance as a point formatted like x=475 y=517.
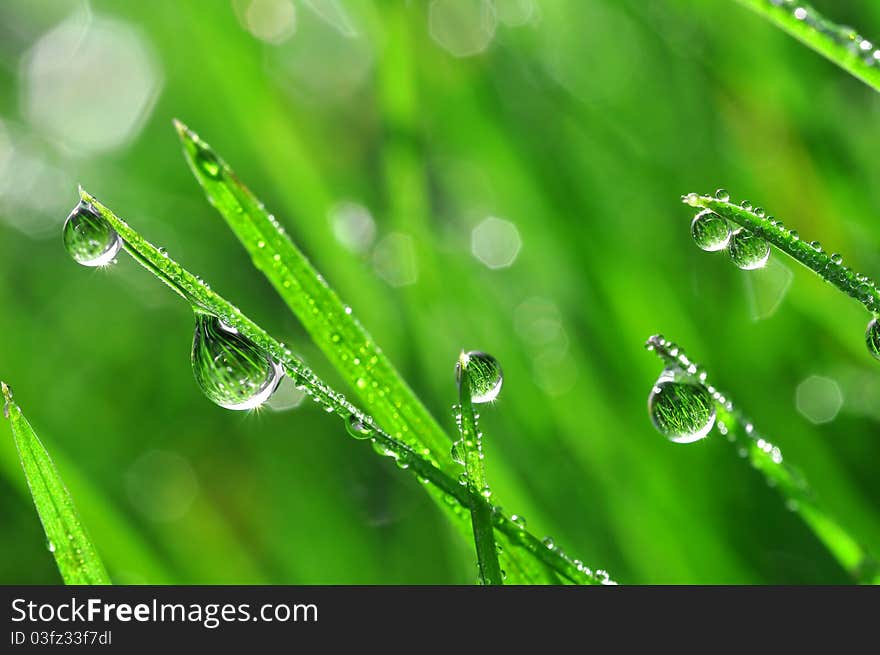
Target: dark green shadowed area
x=509 y=183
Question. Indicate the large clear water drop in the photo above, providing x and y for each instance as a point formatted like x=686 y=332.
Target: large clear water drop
x=231 y=370
x=485 y=375
x=89 y=238
x=748 y=251
x=710 y=231
x=683 y=411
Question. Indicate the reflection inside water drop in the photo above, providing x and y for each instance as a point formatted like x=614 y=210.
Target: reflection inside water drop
x=89 y=238
x=872 y=337
x=681 y=410
x=484 y=373
x=710 y=231
x=358 y=428
x=748 y=251
x=231 y=370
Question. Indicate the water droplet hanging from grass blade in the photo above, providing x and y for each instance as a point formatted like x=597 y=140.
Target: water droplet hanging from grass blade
x=485 y=374
x=681 y=410
x=357 y=428
x=710 y=231
x=748 y=251
x=89 y=238
x=872 y=337
x=231 y=370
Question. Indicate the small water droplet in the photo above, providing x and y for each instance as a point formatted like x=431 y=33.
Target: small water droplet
x=722 y=195
x=485 y=375
x=691 y=199
x=872 y=337
x=759 y=212
x=710 y=231
x=837 y=258
x=520 y=521
x=748 y=251
x=231 y=370
x=682 y=411
x=457 y=452
x=51 y=547
x=357 y=428
x=208 y=162
x=89 y=238
x=486 y=492
x=745 y=204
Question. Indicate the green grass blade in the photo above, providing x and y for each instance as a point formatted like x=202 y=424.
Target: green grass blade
x=809 y=253
x=76 y=556
x=837 y=43
x=330 y=322
x=768 y=459
x=442 y=486
x=471 y=452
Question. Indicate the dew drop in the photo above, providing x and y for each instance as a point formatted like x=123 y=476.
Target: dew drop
x=682 y=411
x=837 y=258
x=357 y=428
x=231 y=370
x=722 y=195
x=89 y=238
x=457 y=452
x=872 y=337
x=745 y=204
x=485 y=374
x=519 y=521
x=748 y=251
x=710 y=231
x=208 y=163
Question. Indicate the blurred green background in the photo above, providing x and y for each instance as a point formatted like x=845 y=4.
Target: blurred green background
x=497 y=175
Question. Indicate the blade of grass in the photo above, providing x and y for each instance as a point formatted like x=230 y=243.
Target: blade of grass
x=767 y=458
x=330 y=323
x=328 y=320
x=76 y=556
x=475 y=472
x=837 y=43
x=123 y=547
x=441 y=485
x=809 y=253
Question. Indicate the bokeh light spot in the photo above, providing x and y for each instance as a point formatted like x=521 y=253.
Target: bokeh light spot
x=819 y=399
x=352 y=225
x=272 y=21
x=394 y=260
x=496 y=242
x=462 y=27
x=90 y=83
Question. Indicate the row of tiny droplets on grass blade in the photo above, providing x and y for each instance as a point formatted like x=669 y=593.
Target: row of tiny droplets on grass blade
x=684 y=407
x=90 y=220
x=839 y=43
x=749 y=247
